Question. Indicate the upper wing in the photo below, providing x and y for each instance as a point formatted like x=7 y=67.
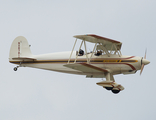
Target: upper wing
x=98 y=39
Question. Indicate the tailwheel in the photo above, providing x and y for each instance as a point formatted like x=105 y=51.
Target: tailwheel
x=115 y=91
x=15 y=68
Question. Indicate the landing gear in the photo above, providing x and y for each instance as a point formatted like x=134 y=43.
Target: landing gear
x=15 y=68
x=108 y=88
x=115 y=91
x=110 y=84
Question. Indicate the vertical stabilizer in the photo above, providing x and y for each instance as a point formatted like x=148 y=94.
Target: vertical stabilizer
x=20 y=48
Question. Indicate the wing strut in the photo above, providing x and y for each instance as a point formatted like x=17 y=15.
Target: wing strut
x=106 y=51
x=117 y=51
x=86 y=51
x=109 y=51
x=92 y=52
x=72 y=50
x=88 y=57
x=78 y=51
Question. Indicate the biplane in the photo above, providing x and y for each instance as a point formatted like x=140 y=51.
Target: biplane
x=104 y=61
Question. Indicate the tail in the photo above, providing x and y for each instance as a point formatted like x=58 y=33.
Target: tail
x=20 y=49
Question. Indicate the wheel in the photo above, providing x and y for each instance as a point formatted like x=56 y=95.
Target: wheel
x=15 y=68
x=115 y=91
x=109 y=88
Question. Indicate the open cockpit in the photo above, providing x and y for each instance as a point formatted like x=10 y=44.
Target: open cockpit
x=102 y=46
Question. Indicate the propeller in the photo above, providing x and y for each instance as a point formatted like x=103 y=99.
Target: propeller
x=144 y=62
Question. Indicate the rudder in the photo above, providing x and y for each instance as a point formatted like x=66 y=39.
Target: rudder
x=20 y=48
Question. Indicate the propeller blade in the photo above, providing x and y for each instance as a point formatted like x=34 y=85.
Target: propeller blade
x=144 y=62
x=142 y=67
x=145 y=54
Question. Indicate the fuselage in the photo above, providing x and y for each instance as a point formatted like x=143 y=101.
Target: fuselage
x=56 y=61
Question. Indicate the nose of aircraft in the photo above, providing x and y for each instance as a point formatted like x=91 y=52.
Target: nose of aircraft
x=144 y=61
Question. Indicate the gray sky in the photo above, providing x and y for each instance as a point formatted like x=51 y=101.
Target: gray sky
x=33 y=94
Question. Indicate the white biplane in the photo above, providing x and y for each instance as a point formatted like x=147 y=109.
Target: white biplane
x=104 y=61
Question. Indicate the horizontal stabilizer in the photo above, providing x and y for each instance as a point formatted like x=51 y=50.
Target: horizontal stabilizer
x=23 y=58
x=111 y=84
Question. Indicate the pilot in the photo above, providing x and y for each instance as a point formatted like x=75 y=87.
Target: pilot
x=99 y=52
x=81 y=52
